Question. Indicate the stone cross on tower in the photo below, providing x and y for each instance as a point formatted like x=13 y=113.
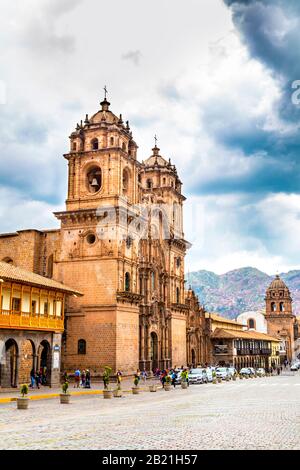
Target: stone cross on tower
x=105 y=91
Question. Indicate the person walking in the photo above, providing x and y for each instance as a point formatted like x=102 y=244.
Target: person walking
x=38 y=379
x=32 y=378
x=144 y=375
x=77 y=378
x=88 y=379
x=174 y=378
x=119 y=377
x=83 y=378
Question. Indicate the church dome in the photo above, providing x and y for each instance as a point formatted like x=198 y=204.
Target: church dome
x=155 y=159
x=104 y=115
x=278 y=283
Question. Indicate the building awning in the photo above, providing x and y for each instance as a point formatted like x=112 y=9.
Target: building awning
x=11 y=273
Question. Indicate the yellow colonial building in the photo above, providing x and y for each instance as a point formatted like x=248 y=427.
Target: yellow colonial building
x=232 y=345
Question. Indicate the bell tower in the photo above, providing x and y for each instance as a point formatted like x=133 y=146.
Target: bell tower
x=280 y=317
x=96 y=252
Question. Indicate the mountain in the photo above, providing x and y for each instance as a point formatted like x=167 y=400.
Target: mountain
x=239 y=290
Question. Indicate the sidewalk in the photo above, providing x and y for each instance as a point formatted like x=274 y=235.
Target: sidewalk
x=10 y=395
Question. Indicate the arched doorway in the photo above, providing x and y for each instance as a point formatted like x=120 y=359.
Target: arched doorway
x=27 y=357
x=9 y=367
x=44 y=362
x=154 y=350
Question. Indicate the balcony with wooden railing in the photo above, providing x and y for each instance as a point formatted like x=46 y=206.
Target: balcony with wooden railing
x=32 y=321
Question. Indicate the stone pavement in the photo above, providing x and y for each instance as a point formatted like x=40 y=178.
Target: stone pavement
x=246 y=414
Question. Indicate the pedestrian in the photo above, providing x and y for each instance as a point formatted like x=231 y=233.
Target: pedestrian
x=163 y=379
x=83 y=378
x=88 y=379
x=119 y=377
x=77 y=378
x=32 y=378
x=174 y=378
x=278 y=370
x=144 y=375
x=38 y=379
x=44 y=375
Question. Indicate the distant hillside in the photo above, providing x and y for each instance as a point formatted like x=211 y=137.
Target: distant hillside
x=239 y=290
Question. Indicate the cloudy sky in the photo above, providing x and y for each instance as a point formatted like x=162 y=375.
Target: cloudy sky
x=212 y=78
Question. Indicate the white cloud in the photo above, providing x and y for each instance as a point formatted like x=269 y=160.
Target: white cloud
x=194 y=81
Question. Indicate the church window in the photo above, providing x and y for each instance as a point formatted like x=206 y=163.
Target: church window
x=141 y=285
x=128 y=242
x=74 y=146
x=149 y=183
x=91 y=238
x=95 y=144
x=125 y=181
x=164 y=181
x=281 y=307
x=124 y=147
x=251 y=323
x=111 y=141
x=177 y=295
x=178 y=262
x=127 y=282
x=46 y=308
x=94 y=179
x=273 y=306
x=81 y=346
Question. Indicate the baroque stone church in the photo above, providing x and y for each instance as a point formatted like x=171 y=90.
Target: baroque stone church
x=121 y=244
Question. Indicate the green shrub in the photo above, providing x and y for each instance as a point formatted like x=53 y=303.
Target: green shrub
x=106 y=375
x=24 y=390
x=65 y=387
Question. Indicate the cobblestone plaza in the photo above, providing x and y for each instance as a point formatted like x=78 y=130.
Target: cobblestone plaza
x=262 y=413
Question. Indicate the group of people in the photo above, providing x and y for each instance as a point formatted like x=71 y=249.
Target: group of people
x=38 y=378
x=82 y=378
x=173 y=374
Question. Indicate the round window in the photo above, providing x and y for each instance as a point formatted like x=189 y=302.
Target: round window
x=91 y=238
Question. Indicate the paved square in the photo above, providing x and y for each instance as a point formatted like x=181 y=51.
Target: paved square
x=248 y=414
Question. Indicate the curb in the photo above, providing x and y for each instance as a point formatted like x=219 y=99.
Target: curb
x=56 y=395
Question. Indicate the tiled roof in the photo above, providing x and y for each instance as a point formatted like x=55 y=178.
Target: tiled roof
x=218 y=318
x=9 y=272
x=234 y=334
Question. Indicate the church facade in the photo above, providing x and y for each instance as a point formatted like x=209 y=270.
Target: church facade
x=121 y=244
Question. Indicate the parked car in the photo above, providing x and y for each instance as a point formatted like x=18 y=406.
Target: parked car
x=261 y=372
x=294 y=367
x=223 y=372
x=197 y=376
x=245 y=371
x=252 y=371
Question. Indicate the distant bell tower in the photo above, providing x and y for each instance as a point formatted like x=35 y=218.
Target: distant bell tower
x=279 y=316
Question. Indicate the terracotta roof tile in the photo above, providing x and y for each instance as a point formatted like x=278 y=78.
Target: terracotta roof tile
x=9 y=272
x=234 y=334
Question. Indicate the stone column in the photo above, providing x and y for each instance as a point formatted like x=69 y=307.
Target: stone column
x=55 y=360
x=142 y=339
